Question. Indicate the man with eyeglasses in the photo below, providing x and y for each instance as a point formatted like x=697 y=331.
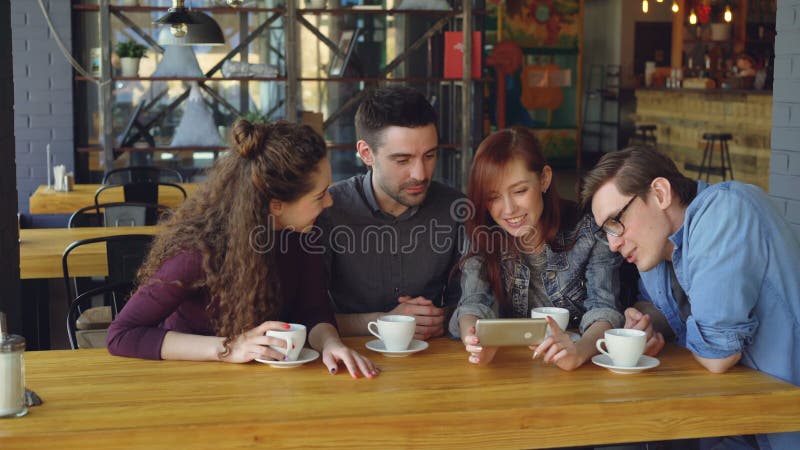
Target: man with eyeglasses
x=718 y=260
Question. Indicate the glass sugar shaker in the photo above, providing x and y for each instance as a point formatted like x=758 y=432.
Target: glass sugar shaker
x=12 y=372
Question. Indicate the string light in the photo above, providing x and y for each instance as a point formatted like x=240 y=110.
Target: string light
x=728 y=14
x=692 y=17
x=645 y=6
x=675 y=7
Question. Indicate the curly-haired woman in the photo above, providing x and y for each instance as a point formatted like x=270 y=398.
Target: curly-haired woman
x=231 y=265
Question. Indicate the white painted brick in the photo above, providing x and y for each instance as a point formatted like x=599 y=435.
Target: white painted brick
x=783 y=67
x=18 y=19
x=783 y=138
x=780 y=205
x=787 y=91
x=786 y=18
x=24 y=107
x=785 y=186
x=794 y=165
x=794 y=116
x=781 y=114
x=45 y=122
x=786 y=42
x=793 y=211
x=779 y=162
x=61 y=133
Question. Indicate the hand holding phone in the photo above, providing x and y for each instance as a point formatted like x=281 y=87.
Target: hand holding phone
x=510 y=332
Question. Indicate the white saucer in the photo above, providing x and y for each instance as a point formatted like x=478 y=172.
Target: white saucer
x=645 y=362
x=376 y=345
x=306 y=355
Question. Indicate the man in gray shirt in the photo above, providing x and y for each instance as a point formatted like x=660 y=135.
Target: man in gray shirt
x=393 y=235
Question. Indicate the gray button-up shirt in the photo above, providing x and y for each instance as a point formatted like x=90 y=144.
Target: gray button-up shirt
x=373 y=257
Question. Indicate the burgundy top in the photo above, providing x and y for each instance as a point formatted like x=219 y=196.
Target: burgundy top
x=157 y=307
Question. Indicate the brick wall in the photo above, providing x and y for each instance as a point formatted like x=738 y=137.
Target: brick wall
x=42 y=92
x=784 y=179
x=9 y=246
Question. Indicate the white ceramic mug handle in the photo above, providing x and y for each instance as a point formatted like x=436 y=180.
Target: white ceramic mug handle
x=289 y=345
x=599 y=344
x=375 y=331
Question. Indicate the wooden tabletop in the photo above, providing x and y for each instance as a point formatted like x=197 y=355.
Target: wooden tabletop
x=40 y=250
x=45 y=201
x=431 y=399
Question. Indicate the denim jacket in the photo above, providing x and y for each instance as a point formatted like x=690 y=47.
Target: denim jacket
x=583 y=279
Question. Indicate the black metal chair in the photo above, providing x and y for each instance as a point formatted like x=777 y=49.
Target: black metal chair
x=87 y=324
x=119 y=214
x=136 y=174
x=124 y=255
x=139 y=191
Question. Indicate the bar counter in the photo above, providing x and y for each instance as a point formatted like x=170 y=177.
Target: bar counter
x=683 y=115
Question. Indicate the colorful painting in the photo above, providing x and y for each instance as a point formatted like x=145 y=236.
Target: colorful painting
x=540 y=23
x=542 y=94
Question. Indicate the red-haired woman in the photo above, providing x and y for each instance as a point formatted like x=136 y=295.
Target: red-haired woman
x=232 y=263
x=530 y=249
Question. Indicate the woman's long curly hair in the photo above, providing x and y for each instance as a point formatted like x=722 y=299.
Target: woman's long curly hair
x=487 y=239
x=268 y=162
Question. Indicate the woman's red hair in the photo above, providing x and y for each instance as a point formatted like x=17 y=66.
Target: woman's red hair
x=487 y=239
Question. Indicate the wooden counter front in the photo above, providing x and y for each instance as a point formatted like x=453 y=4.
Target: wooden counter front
x=683 y=115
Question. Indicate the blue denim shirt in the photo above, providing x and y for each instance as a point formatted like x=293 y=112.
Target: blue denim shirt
x=584 y=279
x=737 y=260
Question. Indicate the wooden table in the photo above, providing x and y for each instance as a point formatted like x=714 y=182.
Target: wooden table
x=432 y=399
x=40 y=250
x=45 y=201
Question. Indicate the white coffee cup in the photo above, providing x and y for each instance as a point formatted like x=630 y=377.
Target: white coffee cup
x=295 y=337
x=625 y=346
x=560 y=315
x=394 y=331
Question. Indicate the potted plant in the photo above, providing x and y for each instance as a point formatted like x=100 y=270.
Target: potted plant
x=130 y=52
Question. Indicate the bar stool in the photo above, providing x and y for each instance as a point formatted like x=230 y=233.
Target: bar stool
x=644 y=135
x=724 y=156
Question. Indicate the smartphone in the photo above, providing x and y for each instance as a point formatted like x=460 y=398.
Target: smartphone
x=510 y=332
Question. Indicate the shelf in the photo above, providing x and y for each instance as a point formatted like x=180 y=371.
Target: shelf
x=214 y=9
x=82 y=78
x=550 y=51
x=373 y=11
x=390 y=80
x=310 y=11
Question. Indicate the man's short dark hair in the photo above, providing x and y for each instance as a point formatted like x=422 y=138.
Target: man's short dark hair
x=398 y=106
x=632 y=171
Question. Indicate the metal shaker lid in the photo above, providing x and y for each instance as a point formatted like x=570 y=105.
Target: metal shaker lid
x=9 y=342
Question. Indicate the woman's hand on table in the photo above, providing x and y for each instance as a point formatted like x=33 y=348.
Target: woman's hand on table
x=254 y=344
x=334 y=352
x=477 y=353
x=558 y=348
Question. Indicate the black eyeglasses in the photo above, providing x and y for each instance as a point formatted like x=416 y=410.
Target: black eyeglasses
x=612 y=225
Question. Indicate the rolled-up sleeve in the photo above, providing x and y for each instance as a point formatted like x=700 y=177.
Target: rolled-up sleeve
x=602 y=287
x=476 y=295
x=722 y=273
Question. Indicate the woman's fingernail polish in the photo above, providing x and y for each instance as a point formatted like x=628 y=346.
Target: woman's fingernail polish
x=333 y=369
x=286 y=326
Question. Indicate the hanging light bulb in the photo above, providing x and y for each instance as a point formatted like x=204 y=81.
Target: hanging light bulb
x=692 y=17
x=660 y=1
x=728 y=14
x=675 y=7
x=645 y=6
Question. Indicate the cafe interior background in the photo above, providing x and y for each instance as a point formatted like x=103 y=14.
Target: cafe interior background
x=588 y=76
